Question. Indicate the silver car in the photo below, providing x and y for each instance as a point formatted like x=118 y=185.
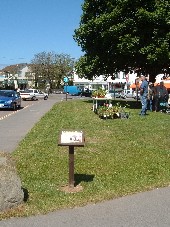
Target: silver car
x=135 y=96
x=129 y=94
x=117 y=93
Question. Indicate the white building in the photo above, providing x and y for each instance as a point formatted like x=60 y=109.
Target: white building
x=21 y=79
x=121 y=80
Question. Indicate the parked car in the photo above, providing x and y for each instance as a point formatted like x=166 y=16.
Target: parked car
x=86 y=93
x=57 y=91
x=129 y=94
x=10 y=99
x=135 y=96
x=33 y=94
x=116 y=93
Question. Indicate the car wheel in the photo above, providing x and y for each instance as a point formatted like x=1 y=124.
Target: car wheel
x=46 y=97
x=14 y=107
x=34 y=98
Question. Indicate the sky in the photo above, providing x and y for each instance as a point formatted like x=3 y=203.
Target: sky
x=29 y=27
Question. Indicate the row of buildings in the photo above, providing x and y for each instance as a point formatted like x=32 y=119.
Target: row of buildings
x=20 y=76
x=16 y=76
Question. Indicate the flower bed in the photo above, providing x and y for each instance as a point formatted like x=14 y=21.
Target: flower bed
x=112 y=112
x=100 y=93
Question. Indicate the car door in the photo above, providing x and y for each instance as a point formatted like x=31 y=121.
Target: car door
x=40 y=94
x=18 y=99
x=128 y=94
x=36 y=93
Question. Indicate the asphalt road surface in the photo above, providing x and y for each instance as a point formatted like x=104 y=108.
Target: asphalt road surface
x=14 y=125
x=147 y=209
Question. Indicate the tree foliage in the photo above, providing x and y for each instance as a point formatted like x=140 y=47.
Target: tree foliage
x=124 y=35
x=51 y=68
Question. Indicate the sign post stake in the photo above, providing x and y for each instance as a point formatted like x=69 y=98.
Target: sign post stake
x=71 y=166
x=71 y=139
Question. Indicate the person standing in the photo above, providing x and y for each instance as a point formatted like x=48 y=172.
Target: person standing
x=150 y=96
x=143 y=95
x=161 y=95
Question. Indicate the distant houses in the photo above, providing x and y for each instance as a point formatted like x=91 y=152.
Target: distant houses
x=21 y=76
x=16 y=76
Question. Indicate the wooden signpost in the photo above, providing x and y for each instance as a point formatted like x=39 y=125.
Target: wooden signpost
x=71 y=139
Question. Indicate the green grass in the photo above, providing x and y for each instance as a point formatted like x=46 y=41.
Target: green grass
x=120 y=157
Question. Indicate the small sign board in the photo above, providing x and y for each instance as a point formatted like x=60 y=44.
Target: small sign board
x=66 y=80
x=71 y=138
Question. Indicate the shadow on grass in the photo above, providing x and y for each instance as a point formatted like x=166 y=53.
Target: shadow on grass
x=26 y=194
x=78 y=178
x=132 y=104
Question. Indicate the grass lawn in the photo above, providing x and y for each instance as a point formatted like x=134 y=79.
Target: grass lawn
x=120 y=157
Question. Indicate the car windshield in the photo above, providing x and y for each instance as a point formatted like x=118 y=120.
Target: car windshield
x=25 y=91
x=113 y=91
x=7 y=93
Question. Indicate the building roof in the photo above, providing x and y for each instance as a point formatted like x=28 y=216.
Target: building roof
x=14 y=68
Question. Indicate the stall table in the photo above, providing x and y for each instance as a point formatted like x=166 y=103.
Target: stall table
x=96 y=102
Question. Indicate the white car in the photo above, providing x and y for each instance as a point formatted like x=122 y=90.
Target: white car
x=33 y=94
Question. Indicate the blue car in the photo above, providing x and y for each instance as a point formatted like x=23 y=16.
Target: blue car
x=10 y=99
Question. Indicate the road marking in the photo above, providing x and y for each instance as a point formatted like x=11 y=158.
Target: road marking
x=10 y=114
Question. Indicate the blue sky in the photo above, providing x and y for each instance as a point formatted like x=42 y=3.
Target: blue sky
x=29 y=27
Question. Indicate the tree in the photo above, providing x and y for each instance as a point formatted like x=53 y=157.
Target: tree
x=51 y=68
x=64 y=66
x=124 y=35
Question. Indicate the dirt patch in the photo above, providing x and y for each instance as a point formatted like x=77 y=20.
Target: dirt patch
x=69 y=189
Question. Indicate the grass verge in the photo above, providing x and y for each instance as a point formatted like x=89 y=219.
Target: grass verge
x=121 y=157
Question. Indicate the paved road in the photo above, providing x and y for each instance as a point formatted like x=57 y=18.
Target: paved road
x=148 y=209
x=16 y=125
x=5 y=112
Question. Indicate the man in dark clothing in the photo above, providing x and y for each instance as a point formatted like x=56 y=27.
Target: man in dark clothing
x=143 y=95
x=161 y=95
x=150 y=97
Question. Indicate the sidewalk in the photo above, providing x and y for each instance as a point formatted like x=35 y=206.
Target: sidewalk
x=146 y=209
